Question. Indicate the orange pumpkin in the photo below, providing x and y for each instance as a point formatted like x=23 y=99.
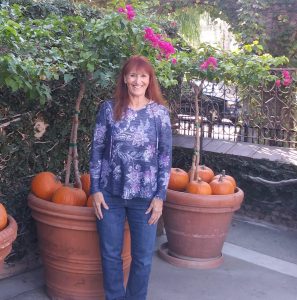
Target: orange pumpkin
x=228 y=177
x=221 y=186
x=3 y=217
x=199 y=187
x=70 y=196
x=90 y=201
x=178 y=179
x=44 y=184
x=86 y=183
x=204 y=173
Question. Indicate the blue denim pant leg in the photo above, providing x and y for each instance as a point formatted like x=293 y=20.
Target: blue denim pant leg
x=143 y=238
x=111 y=235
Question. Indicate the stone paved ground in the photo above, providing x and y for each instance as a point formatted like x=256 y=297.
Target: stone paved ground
x=260 y=263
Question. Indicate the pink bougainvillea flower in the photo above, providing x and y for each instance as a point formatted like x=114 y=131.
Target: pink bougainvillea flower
x=130 y=15
x=149 y=34
x=129 y=7
x=166 y=48
x=286 y=74
x=152 y=37
x=157 y=41
x=148 y=31
x=211 y=62
x=174 y=61
x=204 y=66
x=129 y=11
x=287 y=81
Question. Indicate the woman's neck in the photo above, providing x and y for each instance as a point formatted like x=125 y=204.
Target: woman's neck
x=137 y=102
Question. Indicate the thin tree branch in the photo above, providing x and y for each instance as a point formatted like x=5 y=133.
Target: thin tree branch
x=72 y=152
x=274 y=183
x=196 y=161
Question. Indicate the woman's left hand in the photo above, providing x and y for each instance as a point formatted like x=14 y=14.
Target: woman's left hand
x=155 y=208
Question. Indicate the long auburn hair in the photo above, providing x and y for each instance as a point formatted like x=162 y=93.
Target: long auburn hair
x=153 y=91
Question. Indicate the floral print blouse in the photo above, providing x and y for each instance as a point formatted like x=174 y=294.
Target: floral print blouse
x=132 y=157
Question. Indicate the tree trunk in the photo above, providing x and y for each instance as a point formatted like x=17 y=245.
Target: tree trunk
x=72 y=152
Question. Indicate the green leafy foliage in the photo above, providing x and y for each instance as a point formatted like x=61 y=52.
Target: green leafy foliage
x=247 y=66
x=70 y=47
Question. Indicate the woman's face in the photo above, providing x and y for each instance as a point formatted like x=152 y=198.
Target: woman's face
x=137 y=82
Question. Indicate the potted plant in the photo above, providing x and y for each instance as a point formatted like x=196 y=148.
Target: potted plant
x=196 y=222
x=69 y=245
x=66 y=229
x=196 y=225
x=8 y=233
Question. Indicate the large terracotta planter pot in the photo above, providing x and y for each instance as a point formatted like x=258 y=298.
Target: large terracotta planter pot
x=69 y=246
x=196 y=227
x=7 y=236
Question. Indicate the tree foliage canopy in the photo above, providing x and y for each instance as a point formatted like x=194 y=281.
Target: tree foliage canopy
x=272 y=22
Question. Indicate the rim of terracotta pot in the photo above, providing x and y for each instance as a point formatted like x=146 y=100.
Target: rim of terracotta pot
x=63 y=216
x=59 y=210
x=9 y=233
x=204 y=201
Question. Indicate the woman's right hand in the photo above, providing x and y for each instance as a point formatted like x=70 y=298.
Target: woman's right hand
x=98 y=202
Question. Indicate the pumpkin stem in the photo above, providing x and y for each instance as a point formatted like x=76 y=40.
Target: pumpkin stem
x=223 y=173
x=221 y=178
x=72 y=153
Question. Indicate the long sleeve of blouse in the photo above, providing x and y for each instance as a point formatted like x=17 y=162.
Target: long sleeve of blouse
x=132 y=157
x=97 y=149
x=164 y=155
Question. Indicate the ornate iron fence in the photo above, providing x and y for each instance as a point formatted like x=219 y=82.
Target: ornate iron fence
x=264 y=115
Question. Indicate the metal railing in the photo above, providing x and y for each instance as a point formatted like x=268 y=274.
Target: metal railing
x=265 y=115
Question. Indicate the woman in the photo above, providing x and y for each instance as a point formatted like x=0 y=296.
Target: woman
x=130 y=166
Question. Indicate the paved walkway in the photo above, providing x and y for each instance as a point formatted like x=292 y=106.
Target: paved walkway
x=253 y=151
x=260 y=263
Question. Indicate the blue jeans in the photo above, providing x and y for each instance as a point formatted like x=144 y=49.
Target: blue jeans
x=111 y=236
